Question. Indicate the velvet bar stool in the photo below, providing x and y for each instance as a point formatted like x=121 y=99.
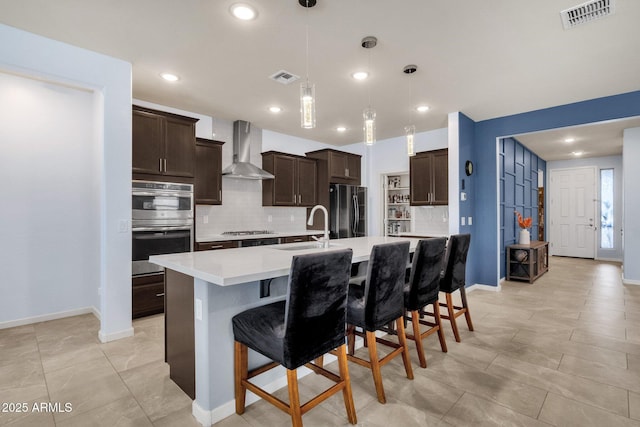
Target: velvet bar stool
x=378 y=302
x=422 y=290
x=292 y=333
x=454 y=279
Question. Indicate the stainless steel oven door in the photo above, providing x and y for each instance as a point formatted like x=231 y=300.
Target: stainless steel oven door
x=161 y=204
x=147 y=241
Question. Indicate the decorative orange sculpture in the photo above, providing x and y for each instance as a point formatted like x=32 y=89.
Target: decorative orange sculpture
x=523 y=222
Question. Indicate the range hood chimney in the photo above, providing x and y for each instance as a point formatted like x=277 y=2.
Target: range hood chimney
x=241 y=167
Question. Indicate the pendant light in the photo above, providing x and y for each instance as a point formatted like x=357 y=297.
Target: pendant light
x=410 y=131
x=307 y=90
x=369 y=114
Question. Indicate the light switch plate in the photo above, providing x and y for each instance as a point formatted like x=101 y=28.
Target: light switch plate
x=198 y=312
x=462 y=220
x=470 y=220
x=205 y=219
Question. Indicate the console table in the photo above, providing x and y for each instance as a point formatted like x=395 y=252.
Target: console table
x=527 y=262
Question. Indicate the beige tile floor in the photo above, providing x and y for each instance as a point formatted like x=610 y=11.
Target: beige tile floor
x=564 y=351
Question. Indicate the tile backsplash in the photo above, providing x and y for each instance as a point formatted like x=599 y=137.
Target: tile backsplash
x=242 y=210
x=428 y=219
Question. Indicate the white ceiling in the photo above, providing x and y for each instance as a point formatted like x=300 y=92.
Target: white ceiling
x=592 y=140
x=486 y=58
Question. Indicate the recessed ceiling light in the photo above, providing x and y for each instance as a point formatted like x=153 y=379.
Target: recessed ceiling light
x=423 y=108
x=243 y=11
x=569 y=140
x=577 y=153
x=341 y=128
x=170 y=77
x=360 y=75
x=275 y=109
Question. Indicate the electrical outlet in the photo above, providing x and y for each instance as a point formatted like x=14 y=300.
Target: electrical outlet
x=470 y=220
x=270 y=218
x=205 y=219
x=293 y=218
x=462 y=220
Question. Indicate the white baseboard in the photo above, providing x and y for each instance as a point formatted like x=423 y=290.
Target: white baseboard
x=207 y=418
x=480 y=287
x=629 y=281
x=115 y=335
x=46 y=317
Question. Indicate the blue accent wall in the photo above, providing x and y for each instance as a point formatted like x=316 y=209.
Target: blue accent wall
x=466 y=151
x=518 y=173
x=485 y=250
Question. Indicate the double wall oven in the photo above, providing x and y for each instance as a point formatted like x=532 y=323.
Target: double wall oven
x=162 y=222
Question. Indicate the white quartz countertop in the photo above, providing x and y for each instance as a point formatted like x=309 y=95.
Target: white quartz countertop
x=234 y=266
x=420 y=234
x=276 y=234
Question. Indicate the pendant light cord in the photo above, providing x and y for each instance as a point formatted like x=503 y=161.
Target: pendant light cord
x=307 y=39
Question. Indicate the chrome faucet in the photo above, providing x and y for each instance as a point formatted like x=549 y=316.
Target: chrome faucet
x=325 y=238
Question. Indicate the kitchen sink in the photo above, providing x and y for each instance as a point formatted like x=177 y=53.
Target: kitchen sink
x=298 y=247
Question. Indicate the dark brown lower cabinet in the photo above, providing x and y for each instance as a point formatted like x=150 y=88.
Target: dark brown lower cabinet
x=147 y=295
x=179 y=331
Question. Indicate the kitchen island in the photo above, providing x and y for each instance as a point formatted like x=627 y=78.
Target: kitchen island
x=204 y=290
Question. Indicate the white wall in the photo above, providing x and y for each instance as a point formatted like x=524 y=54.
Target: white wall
x=26 y=54
x=630 y=156
x=51 y=202
x=609 y=162
x=388 y=156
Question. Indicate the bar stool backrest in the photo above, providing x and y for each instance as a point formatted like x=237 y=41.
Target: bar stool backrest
x=315 y=313
x=384 y=287
x=424 y=280
x=456 y=263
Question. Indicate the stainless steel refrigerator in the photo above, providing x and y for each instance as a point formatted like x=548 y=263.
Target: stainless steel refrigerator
x=347 y=211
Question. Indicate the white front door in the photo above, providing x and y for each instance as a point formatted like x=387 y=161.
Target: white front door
x=572 y=212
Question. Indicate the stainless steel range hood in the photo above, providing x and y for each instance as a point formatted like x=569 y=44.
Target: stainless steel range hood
x=241 y=167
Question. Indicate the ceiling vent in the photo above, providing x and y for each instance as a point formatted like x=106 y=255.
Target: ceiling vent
x=587 y=12
x=284 y=77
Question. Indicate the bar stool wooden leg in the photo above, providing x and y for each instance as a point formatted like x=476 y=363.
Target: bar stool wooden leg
x=415 y=321
x=351 y=339
x=347 y=393
x=452 y=317
x=402 y=338
x=467 y=314
x=375 y=366
x=294 y=398
x=241 y=366
x=438 y=321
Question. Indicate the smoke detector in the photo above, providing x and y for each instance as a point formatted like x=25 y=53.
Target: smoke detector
x=284 y=77
x=587 y=12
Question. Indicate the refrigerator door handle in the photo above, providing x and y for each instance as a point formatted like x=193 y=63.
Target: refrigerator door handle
x=356 y=214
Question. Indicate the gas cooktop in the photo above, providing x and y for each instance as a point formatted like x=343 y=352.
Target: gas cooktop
x=247 y=232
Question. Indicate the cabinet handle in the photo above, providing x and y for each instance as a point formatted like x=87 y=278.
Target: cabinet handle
x=216 y=247
x=220 y=195
x=299 y=199
x=165 y=165
x=346 y=172
x=160 y=165
x=297 y=240
x=294 y=199
x=160 y=295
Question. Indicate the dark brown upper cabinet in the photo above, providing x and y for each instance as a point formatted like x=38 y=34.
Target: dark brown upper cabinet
x=295 y=182
x=208 y=179
x=163 y=144
x=429 y=175
x=341 y=167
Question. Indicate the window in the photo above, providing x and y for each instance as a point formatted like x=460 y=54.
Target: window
x=606 y=208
